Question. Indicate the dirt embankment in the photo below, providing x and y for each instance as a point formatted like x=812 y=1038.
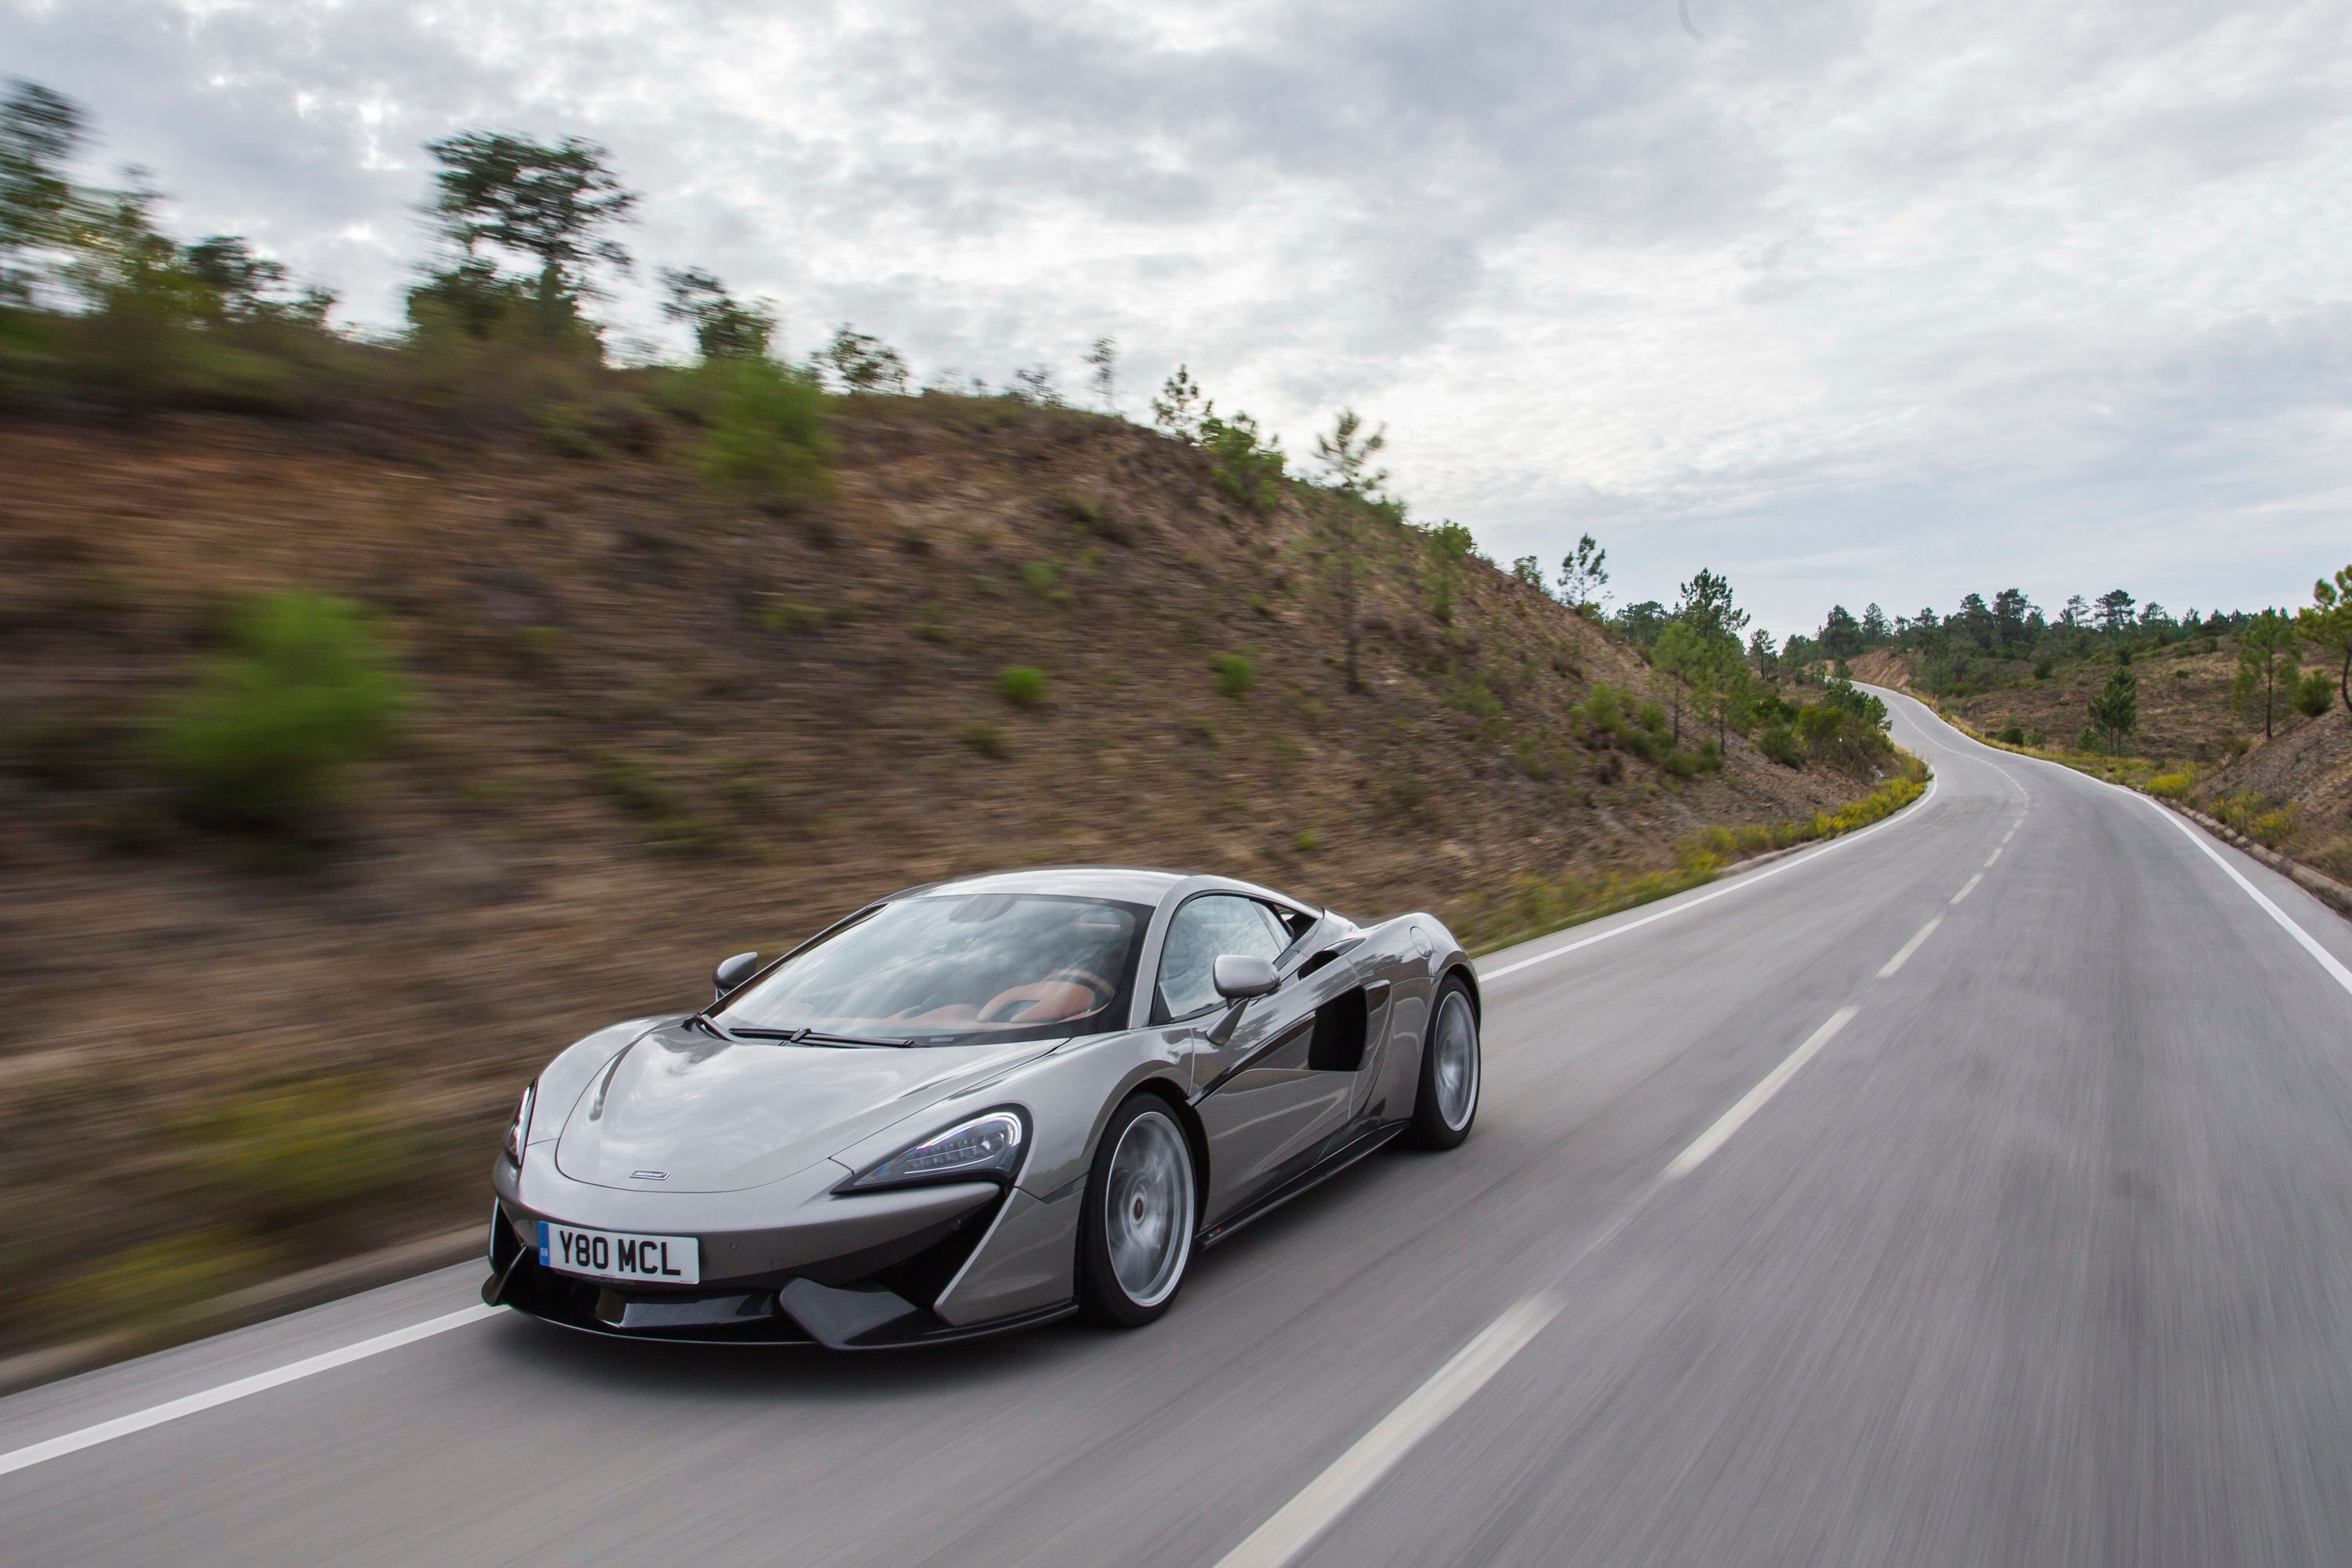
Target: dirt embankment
x=647 y=727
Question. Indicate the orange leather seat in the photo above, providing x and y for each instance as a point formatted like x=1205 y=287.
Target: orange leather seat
x=1047 y=1002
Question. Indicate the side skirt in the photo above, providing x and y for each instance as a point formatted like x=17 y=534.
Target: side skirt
x=1314 y=1176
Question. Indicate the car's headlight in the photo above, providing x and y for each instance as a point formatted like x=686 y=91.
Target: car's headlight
x=986 y=1145
x=520 y=1128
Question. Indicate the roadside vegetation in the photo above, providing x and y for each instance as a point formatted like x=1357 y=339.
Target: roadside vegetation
x=1535 y=906
x=2245 y=715
x=385 y=709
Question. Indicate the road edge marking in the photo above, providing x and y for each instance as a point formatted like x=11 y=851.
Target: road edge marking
x=241 y=1388
x=2310 y=944
x=1733 y=885
x=1755 y=1099
x=1299 y=1522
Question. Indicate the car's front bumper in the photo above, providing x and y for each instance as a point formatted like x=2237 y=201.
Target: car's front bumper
x=793 y=1262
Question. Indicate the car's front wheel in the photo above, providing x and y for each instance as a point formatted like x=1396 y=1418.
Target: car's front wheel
x=1451 y=1068
x=1140 y=1210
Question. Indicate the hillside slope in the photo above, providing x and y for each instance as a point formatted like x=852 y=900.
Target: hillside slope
x=649 y=727
x=2293 y=790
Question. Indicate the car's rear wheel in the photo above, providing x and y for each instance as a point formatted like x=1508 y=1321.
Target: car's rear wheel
x=1141 y=1207
x=1451 y=1071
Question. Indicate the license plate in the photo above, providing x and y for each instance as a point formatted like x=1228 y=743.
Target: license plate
x=604 y=1255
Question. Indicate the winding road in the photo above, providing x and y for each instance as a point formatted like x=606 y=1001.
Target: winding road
x=1976 y=1189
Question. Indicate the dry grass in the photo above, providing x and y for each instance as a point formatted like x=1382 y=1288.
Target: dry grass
x=652 y=726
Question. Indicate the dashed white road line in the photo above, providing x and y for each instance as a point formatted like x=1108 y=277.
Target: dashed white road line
x=1300 y=1522
x=1968 y=887
x=1910 y=947
x=1714 y=1138
x=1994 y=856
x=259 y=1382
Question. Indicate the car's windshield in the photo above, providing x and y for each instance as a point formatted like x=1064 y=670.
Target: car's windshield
x=956 y=968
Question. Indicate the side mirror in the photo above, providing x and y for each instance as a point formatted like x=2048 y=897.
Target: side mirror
x=1239 y=978
x=731 y=974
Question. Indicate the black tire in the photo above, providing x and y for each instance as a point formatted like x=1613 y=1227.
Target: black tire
x=1446 y=1102
x=1129 y=1271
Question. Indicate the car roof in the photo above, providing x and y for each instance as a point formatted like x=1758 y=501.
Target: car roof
x=1128 y=884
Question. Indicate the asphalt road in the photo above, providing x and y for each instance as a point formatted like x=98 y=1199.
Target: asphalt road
x=2034 y=1247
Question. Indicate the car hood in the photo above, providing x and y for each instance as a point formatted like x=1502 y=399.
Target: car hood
x=716 y=1115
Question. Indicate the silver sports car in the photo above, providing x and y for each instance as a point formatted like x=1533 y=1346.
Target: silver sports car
x=976 y=1106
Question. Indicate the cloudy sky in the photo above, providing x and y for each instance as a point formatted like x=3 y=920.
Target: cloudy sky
x=1852 y=302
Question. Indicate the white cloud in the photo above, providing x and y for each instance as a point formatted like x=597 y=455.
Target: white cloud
x=1853 y=303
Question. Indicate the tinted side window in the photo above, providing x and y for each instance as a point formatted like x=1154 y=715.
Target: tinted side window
x=1205 y=928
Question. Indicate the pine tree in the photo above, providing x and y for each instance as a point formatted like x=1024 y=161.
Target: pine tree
x=2268 y=659
x=2115 y=711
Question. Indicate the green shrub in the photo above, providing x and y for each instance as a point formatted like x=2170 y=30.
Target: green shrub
x=1022 y=685
x=1781 y=742
x=1235 y=674
x=1041 y=578
x=2012 y=734
x=2273 y=828
x=1247 y=470
x=1471 y=694
x=783 y=615
x=1308 y=842
x=1706 y=759
x=2171 y=786
x=630 y=785
x=569 y=429
x=1083 y=512
x=1602 y=710
x=268 y=732
x=1835 y=735
x=149 y=1285
x=768 y=434
x=988 y=740
x=2042 y=669
x=682 y=833
x=2312 y=694
x=301 y=1152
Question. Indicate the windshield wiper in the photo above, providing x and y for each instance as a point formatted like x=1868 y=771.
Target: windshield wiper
x=812 y=1036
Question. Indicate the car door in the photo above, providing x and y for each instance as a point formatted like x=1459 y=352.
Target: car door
x=1263 y=1102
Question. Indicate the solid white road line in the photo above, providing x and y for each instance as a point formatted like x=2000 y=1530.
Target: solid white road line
x=1735 y=885
x=1306 y=1516
x=259 y=1382
x=1968 y=888
x=1714 y=1138
x=1910 y=947
x=2327 y=961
